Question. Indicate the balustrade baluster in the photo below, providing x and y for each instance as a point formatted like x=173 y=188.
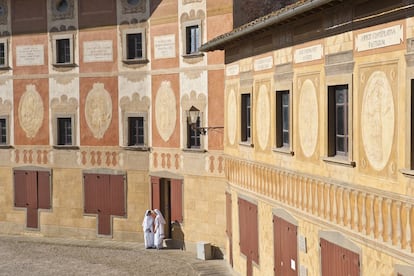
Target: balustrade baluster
x=403 y=226
x=385 y=220
x=395 y=221
x=361 y=211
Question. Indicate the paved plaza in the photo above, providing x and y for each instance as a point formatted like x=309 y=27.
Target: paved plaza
x=22 y=255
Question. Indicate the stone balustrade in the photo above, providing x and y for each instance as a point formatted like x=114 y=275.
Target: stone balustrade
x=380 y=217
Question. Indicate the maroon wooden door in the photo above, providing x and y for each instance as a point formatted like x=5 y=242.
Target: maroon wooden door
x=337 y=260
x=32 y=190
x=104 y=195
x=249 y=233
x=285 y=247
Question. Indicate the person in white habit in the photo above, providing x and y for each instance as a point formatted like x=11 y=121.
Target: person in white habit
x=148 y=228
x=159 y=229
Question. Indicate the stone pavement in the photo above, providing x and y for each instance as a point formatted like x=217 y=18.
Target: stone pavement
x=30 y=255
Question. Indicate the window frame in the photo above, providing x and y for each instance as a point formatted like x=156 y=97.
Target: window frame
x=194 y=134
x=5 y=42
x=56 y=133
x=279 y=122
x=333 y=135
x=245 y=118
x=59 y=131
x=186 y=41
x=126 y=131
x=137 y=135
x=6 y=143
x=55 y=39
x=125 y=34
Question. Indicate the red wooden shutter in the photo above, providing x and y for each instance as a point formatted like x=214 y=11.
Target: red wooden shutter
x=254 y=233
x=117 y=195
x=104 y=197
x=242 y=227
x=228 y=215
x=31 y=189
x=20 y=188
x=90 y=193
x=176 y=200
x=155 y=192
x=43 y=189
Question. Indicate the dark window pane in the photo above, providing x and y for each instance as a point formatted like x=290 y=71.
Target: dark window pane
x=3 y=131
x=134 y=46
x=2 y=55
x=282 y=118
x=340 y=144
x=63 y=50
x=64 y=132
x=340 y=114
x=192 y=39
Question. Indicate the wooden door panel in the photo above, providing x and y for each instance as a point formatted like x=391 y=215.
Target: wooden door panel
x=104 y=224
x=20 y=189
x=90 y=190
x=117 y=195
x=32 y=218
x=176 y=200
x=43 y=189
x=31 y=189
x=104 y=196
x=337 y=260
x=155 y=193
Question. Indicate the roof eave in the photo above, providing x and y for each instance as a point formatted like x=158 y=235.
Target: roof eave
x=219 y=43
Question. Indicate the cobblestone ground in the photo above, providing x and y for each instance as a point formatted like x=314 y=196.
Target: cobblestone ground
x=41 y=256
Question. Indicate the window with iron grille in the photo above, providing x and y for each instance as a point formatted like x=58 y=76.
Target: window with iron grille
x=282 y=119
x=338 y=120
x=3 y=131
x=192 y=39
x=136 y=131
x=245 y=118
x=64 y=131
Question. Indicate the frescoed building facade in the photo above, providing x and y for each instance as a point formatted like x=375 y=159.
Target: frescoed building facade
x=318 y=140
x=93 y=118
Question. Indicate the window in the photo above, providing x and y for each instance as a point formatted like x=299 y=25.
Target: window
x=63 y=49
x=4 y=54
x=282 y=119
x=338 y=120
x=134 y=46
x=3 y=132
x=412 y=126
x=64 y=131
x=193 y=135
x=245 y=118
x=192 y=39
x=134 y=42
x=136 y=131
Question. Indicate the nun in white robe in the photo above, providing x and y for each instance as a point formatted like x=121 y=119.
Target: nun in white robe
x=148 y=228
x=159 y=229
